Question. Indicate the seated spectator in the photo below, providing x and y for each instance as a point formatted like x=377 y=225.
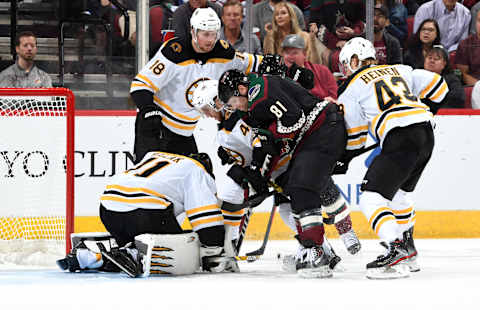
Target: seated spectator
x=387 y=47
x=23 y=73
x=263 y=14
x=294 y=53
x=467 y=57
x=452 y=17
x=474 y=12
x=232 y=29
x=181 y=16
x=421 y=43
x=284 y=22
x=437 y=61
x=397 y=19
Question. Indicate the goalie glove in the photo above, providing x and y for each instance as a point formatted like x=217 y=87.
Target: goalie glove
x=301 y=75
x=150 y=121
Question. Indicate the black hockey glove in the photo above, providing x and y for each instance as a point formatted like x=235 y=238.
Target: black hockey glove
x=150 y=122
x=341 y=165
x=224 y=156
x=244 y=176
x=301 y=75
x=238 y=174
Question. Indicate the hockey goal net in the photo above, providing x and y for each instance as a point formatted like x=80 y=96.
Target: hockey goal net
x=36 y=174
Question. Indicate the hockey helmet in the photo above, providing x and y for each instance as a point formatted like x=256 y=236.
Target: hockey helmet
x=205 y=95
x=357 y=46
x=205 y=19
x=205 y=160
x=229 y=82
x=273 y=65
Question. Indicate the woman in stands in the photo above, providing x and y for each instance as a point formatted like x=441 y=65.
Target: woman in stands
x=284 y=22
x=421 y=43
x=437 y=61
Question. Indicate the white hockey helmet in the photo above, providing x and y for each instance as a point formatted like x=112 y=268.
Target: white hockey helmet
x=205 y=19
x=205 y=95
x=357 y=46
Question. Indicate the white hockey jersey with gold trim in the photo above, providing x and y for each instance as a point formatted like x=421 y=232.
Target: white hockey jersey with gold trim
x=174 y=72
x=385 y=97
x=161 y=179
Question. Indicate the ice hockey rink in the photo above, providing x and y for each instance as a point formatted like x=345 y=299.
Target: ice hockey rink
x=449 y=279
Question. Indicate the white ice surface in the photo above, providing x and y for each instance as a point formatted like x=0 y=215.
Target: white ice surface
x=449 y=279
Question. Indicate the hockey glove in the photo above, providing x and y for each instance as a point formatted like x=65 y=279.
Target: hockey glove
x=224 y=156
x=341 y=166
x=244 y=176
x=301 y=75
x=150 y=122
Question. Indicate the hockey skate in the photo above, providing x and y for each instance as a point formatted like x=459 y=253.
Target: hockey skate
x=291 y=263
x=411 y=261
x=70 y=262
x=351 y=242
x=390 y=265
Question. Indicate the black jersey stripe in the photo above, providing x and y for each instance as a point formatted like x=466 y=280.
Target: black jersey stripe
x=380 y=120
x=205 y=214
x=379 y=216
x=434 y=89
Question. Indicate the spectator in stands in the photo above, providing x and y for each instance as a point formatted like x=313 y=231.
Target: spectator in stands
x=397 y=19
x=284 y=22
x=263 y=14
x=295 y=54
x=467 y=57
x=232 y=29
x=452 y=17
x=474 y=12
x=181 y=16
x=437 y=61
x=421 y=43
x=388 y=48
x=23 y=73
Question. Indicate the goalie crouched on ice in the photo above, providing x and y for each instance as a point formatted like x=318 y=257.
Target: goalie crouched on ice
x=139 y=210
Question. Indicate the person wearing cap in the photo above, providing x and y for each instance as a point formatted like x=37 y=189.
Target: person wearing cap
x=295 y=56
x=397 y=16
x=437 y=61
x=388 y=47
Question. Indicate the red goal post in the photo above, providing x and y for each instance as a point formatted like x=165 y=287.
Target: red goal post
x=37 y=172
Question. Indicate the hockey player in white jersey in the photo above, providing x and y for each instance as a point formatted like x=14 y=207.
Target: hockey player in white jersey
x=146 y=199
x=162 y=90
x=397 y=104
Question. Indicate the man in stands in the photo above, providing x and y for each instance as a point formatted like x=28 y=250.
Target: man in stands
x=23 y=73
x=232 y=29
x=452 y=17
x=388 y=47
x=181 y=16
x=162 y=90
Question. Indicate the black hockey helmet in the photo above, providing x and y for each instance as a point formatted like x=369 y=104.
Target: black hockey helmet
x=205 y=160
x=228 y=84
x=272 y=64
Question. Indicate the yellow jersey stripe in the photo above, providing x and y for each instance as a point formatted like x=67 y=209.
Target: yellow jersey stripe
x=134 y=200
x=357 y=141
x=429 y=86
x=147 y=81
x=196 y=223
x=250 y=63
x=187 y=62
x=232 y=223
x=202 y=209
x=408 y=210
x=357 y=129
x=169 y=109
x=396 y=115
x=135 y=189
x=235 y=213
x=439 y=92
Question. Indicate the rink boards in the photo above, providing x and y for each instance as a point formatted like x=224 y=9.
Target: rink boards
x=446 y=197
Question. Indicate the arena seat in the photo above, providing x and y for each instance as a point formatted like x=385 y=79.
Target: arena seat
x=451 y=59
x=410 y=20
x=468 y=96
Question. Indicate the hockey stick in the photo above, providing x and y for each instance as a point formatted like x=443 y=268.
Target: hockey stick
x=243 y=224
x=261 y=250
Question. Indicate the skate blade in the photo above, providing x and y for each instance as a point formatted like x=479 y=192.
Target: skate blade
x=386 y=273
x=319 y=272
x=412 y=265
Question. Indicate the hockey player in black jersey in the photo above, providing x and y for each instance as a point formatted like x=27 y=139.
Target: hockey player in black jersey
x=288 y=119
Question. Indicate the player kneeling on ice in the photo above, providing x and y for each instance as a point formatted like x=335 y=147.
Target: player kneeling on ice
x=398 y=104
x=311 y=130
x=139 y=210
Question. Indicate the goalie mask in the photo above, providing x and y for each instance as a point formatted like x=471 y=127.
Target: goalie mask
x=203 y=159
x=228 y=84
x=273 y=65
x=357 y=46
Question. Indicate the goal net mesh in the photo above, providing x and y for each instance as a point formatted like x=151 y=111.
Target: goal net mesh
x=33 y=179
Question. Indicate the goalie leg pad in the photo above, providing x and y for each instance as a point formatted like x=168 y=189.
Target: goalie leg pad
x=176 y=254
